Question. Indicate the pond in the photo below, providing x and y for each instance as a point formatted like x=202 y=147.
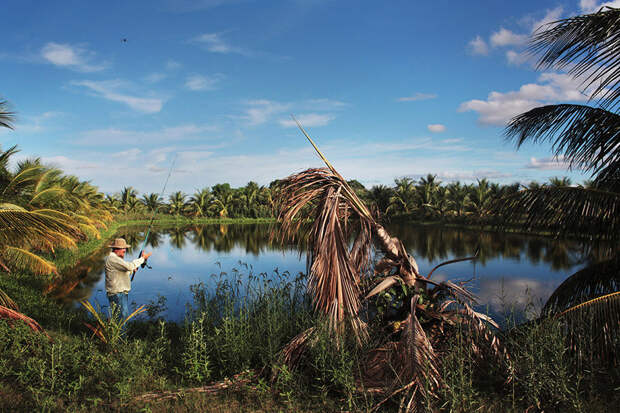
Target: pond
x=512 y=272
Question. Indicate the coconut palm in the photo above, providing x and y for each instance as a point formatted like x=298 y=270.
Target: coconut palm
x=480 y=197
x=152 y=201
x=379 y=197
x=176 y=203
x=458 y=198
x=198 y=204
x=585 y=136
x=403 y=196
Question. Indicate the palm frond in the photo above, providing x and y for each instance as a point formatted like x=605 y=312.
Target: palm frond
x=6 y=117
x=588 y=46
x=15 y=315
x=584 y=136
x=7 y=301
x=563 y=210
x=593 y=281
x=19 y=258
x=594 y=327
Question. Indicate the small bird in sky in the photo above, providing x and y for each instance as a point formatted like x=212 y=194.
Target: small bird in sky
x=124 y=40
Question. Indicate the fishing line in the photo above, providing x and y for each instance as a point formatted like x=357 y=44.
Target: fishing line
x=148 y=231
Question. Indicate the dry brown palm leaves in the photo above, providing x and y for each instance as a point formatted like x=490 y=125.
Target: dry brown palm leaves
x=407 y=363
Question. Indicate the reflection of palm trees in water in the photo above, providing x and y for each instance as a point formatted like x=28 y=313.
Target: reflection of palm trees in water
x=436 y=243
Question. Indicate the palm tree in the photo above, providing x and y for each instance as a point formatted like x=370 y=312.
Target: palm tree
x=480 y=198
x=585 y=136
x=152 y=201
x=427 y=193
x=458 y=198
x=403 y=196
x=557 y=181
x=127 y=195
x=198 y=204
x=379 y=197
x=176 y=203
x=223 y=200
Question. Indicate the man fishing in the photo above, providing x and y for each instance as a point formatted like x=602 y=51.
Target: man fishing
x=117 y=273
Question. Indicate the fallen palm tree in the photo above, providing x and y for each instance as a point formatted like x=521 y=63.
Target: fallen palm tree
x=407 y=361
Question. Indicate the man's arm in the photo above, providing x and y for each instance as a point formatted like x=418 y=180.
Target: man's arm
x=120 y=264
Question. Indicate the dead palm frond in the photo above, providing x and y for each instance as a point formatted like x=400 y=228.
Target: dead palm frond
x=407 y=361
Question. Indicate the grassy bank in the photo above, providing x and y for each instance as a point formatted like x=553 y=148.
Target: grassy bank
x=228 y=333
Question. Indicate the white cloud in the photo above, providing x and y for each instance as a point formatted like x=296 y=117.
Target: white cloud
x=308 y=120
x=478 y=46
x=214 y=43
x=109 y=89
x=436 y=128
x=200 y=82
x=515 y=58
x=550 y=163
x=465 y=175
x=72 y=57
x=104 y=137
x=592 y=6
x=417 y=96
x=505 y=37
x=501 y=107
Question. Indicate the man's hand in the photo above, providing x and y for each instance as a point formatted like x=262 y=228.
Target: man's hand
x=146 y=255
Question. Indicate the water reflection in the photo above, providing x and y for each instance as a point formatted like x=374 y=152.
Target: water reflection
x=511 y=269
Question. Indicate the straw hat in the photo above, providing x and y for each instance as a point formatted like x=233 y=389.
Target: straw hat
x=119 y=243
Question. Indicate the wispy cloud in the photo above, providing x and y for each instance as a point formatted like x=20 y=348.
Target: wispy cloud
x=201 y=82
x=308 y=120
x=261 y=110
x=417 y=96
x=436 y=128
x=104 y=137
x=550 y=163
x=111 y=90
x=70 y=56
x=478 y=46
x=214 y=43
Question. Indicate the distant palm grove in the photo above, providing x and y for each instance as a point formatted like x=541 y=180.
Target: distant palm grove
x=425 y=199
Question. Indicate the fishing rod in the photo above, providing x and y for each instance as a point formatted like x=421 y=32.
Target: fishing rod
x=148 y=229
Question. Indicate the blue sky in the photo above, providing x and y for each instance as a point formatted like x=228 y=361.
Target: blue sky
x=387 y=89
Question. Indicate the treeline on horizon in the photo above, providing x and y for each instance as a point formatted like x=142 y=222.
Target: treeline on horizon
x=425 y=199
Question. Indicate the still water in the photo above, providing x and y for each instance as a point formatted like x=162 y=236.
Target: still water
x=512 y=271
